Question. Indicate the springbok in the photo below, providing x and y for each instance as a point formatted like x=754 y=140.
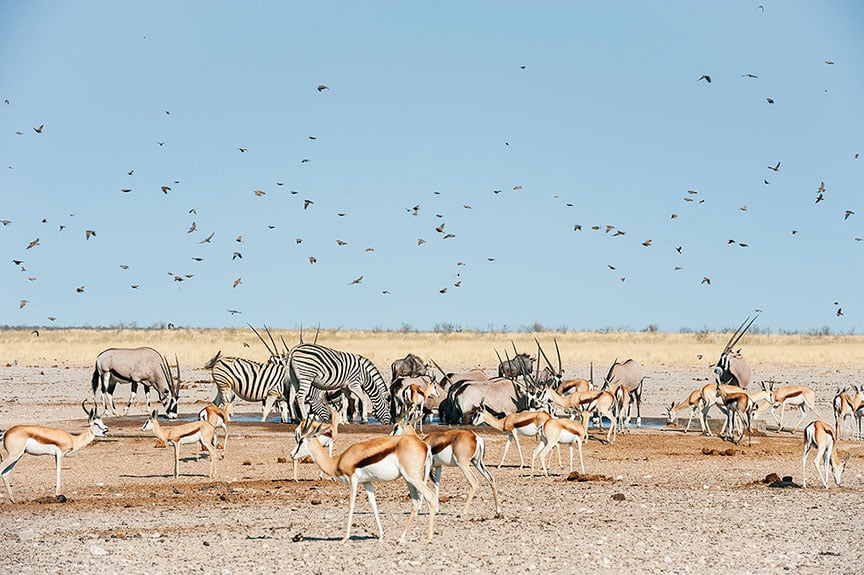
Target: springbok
x=460 y=448
x=738 y=408
x=376 y=459
x=696 y=404
x=199 y=431
x=40 y=440
x=526 y=423
x=819 y=434
x=414 y=398
x=801 y=396
x=597 y=400
x=327 y=436
x=847 y=406
x=218 y=418
x=559 y=430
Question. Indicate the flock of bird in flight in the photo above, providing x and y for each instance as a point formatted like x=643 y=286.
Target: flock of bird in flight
x=692 y=196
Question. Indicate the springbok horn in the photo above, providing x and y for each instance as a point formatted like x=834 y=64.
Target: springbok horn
x=262 y=339
x=89 y=412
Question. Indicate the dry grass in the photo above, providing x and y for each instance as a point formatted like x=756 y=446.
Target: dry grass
x=79 y=347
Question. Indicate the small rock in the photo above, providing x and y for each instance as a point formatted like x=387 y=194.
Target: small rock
x=97 y=551
x=618 y=497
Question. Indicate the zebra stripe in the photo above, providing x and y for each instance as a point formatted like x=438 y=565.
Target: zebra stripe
x=330 y=367
x=251 y=381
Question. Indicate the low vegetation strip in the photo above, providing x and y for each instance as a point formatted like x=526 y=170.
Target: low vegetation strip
x=655 y=350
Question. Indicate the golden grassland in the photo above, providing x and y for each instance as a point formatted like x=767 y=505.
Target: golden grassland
x=79 y=347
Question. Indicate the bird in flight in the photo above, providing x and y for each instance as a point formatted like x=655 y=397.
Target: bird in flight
x=34 y=243
x=80 y=289
x=243 y=150
x=207 y=239
x=89 y=234
x=341 y=243
x=705 y=77
x=322 y=87
x=848 y=213
x=770 y=100
x=749 y=76
x=706 y=280
x=38 y=129
x=646 y=243
x=307 y=203
x=165 y=189
x=776 y=167
x=312 y=259
x=234 y=311
x=237 y=282
x=356 y=281
x=192 y=228
x=22 y=303
x=260 y=193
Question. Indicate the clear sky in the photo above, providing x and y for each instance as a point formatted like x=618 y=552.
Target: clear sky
x=283 y=129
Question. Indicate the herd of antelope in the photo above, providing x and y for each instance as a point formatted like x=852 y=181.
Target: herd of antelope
x=564 y=418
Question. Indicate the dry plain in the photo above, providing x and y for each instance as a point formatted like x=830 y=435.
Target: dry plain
x=662 y=506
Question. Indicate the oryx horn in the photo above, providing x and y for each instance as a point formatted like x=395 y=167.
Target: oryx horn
x=177 y=385
x=739 y=333
x=273 y=352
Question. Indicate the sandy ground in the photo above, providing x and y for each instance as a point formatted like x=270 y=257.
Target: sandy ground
x=662 y=506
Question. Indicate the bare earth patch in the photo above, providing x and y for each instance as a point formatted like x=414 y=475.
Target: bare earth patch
x=657 y=501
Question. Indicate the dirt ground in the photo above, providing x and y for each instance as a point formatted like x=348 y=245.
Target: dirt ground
x=657 y=503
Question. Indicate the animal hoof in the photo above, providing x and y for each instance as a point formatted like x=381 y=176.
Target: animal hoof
x=61 y=498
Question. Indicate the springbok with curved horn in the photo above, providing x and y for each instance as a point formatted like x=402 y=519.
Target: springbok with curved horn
x=801 y=396
x=378 y=459
x=819 y=434
x=731 y=369
x=199 y=431
x=40 y=440
x=327 y=435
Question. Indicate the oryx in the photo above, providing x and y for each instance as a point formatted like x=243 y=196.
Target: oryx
x=140 y=365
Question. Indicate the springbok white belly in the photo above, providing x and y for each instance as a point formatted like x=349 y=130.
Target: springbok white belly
x=385 y=470
x=33 y=447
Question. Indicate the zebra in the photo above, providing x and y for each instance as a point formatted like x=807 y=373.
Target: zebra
x=316 y=370
x=251 y=381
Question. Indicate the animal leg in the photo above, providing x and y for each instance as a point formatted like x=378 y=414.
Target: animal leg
x=370 y=495
x=352 y=488
x=176 y=460
x=58 y=461
x=466 y=471
x=506 y=447
x=8 y=465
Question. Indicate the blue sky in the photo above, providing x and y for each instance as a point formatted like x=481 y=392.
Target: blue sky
x=510 y=123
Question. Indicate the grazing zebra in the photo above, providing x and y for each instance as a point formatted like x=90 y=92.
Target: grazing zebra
x=316 y=370
x=251 y=381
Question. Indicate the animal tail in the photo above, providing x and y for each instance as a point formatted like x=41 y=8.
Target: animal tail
x=212 y=362
x=94 y=381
